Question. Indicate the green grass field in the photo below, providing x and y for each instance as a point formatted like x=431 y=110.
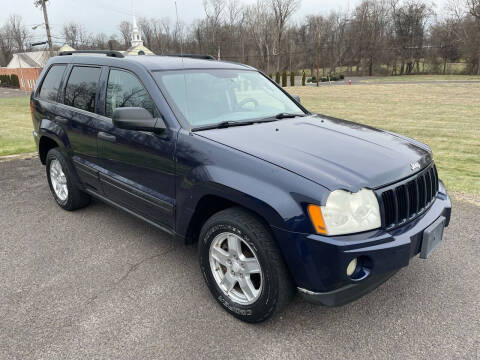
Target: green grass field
x=15 y=126
x=444 y=116
x=419 y=78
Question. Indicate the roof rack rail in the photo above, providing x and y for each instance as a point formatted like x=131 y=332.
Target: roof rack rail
x=193 y=56
x=111 y=53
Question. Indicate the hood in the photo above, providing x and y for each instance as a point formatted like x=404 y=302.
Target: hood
x=334 y=153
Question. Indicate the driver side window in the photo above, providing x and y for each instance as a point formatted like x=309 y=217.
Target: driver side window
x=125 y=90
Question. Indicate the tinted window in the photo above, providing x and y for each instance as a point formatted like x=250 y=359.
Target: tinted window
x=51 y=83
x=125 y=90
x=82 y=88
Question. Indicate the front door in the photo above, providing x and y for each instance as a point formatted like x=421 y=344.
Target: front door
x=137 y=168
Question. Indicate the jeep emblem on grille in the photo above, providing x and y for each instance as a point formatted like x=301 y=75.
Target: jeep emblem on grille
x=414 y=166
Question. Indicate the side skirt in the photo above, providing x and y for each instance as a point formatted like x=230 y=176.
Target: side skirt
x=114 y=204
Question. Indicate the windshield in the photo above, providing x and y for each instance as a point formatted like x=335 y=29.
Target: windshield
x=213 y=96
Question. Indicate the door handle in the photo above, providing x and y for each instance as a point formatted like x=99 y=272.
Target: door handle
x=61 y=120
x=107 y=137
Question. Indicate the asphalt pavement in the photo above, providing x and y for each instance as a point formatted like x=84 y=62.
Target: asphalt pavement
x=97 y=283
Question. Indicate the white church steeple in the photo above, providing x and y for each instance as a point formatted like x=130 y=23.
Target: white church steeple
x=136 y=40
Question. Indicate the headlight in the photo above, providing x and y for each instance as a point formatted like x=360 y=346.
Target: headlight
x=346 y=213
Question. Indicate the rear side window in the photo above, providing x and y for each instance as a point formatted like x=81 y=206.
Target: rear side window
x=125 y=90
x=51 y=83
x=81 y=89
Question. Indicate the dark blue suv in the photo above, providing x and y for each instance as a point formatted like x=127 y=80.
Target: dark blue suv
x=279 y=200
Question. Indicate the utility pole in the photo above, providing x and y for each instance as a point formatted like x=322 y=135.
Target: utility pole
x=47 y=26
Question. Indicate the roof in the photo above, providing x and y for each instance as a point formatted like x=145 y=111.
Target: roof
x=66 y=47
x=177 y=63
x=134 y=50
x=151 y=63
x=32 y=59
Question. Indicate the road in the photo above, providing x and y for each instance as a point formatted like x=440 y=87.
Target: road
x=98 y=283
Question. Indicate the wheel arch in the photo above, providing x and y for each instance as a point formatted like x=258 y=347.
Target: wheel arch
x=45 y=144
x=211 y=203
x=51 y=133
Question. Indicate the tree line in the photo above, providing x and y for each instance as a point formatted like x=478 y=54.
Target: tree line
x=375 y=37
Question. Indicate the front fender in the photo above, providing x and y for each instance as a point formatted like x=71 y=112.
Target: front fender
x=205 y=167
x=238 y=188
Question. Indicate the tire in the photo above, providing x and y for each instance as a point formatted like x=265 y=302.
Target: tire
x=272 y=287
x=72 y=198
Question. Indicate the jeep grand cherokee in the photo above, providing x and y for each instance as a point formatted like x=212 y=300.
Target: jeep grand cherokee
x=278 y=199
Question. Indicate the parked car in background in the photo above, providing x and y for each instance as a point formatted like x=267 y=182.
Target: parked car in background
x=279 y=200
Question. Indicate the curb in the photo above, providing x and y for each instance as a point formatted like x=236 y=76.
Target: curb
x=23 y=156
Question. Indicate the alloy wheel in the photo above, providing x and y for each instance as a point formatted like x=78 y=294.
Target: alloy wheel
x=58 y=180
x=235 y=268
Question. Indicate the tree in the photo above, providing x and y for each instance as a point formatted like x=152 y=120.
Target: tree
x=76 y=36
x=282 y=11
x=409 y=24
x=125 y=28
x=467 y=30
x=18 y=33
x=443 y=36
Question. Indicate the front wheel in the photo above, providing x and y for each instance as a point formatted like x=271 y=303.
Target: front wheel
x=60 y=177
x=242 y=265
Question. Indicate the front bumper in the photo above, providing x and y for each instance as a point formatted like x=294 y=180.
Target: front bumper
x=318 y=263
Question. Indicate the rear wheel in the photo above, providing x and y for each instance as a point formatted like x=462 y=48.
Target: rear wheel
x=61 y=181
x=242 y=265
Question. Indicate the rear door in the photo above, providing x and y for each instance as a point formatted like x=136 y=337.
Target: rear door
x=45 y=100
x=137 y=168
x=76 y=113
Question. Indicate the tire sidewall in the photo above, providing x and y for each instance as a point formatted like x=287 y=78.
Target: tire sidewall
x=266 y=303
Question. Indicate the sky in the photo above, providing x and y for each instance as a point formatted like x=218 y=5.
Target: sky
x=104 y=15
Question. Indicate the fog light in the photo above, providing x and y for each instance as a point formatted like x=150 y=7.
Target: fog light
x=352 y=265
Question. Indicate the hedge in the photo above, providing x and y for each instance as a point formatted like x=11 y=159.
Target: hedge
x=9 y=81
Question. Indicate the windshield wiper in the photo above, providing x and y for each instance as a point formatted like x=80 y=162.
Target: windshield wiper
x=288 y=115
x=230 y=123
x=223 y=124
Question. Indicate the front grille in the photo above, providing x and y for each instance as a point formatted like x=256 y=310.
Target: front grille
x=407 y=199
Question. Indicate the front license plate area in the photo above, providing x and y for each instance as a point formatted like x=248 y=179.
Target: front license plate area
x=432 y=237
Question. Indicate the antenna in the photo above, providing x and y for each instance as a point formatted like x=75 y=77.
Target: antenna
x=177 y=25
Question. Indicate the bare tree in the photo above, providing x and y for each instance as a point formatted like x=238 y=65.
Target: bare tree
x=76 y=36
x=410 y=22
x=125 y=28
x=18 y=33
x=6 y=46
x=282 y=11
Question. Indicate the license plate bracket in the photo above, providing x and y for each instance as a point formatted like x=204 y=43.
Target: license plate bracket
x=432 y=236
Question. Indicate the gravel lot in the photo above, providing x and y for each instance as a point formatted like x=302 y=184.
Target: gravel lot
x=98 y=283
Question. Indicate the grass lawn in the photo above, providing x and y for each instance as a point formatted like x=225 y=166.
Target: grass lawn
x=407 y=78
x=444 y=116
x=15 y=126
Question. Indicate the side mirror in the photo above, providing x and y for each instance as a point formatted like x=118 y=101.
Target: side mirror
x=136 y=118
x=297 y=98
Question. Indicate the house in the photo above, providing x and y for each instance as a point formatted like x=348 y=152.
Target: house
x=27 y=66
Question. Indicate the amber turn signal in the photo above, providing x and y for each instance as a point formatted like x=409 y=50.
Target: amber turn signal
x=315 y=213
